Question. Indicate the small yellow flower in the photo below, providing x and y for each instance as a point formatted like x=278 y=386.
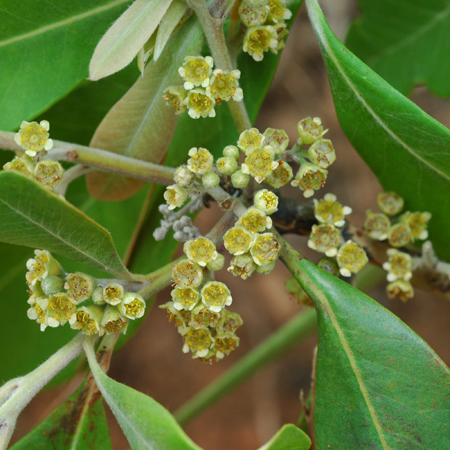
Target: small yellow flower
x=187 y=274
x=185 y=298
x=175 y=96
x=250 y=140
x=33 y=137
x=310 y=178
x=310 y=130
x=196 y=71
x=265 y=249
x=80 y=286
x=132 y=306
x=277 y=139
x=351 y=258
x=224 y=85
x=390 y=203
x=238 y=240
x=377 y=225
x=325 y=238
x=216 y=295
x=260 y=163
x=201 y=160
x=201 y=251
x=398 y=266
x=281 y=175
x=200 y=104
x=254 y=220
x=329 y=210
x=266 y=201
x=175 y=196
x=417 y=222
x=260 y=39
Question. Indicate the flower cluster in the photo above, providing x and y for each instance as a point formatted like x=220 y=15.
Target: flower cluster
x=34 y=139
x=198 y=305
x=203 y=88
x=266 y=26
x=252 y=247
x=319 y=156
x=326 y=238
x=94 y=308
x=399 y=230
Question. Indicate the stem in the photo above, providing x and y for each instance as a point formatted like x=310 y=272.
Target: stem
x=101 y=159
x=213 y=29
x=17 y=393
x=268 y=351
x=70 y=175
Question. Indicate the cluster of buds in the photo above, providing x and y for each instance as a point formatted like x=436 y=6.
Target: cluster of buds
x=326 y=237
x=34 y=139
x=252 y=247
x=399 y=268
x=400 y=230
x=203 y=88
x=312 y=173
x=94 y=308
x=198 y=305
x=266 y=26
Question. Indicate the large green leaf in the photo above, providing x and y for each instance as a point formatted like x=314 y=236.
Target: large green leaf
x=407 y=43
x=145 y=423
x=408 y=151
x=288 y=438
x=78 y=424
x=141 y=125
x=378 y=384
x=45 y=51
x=38 y=218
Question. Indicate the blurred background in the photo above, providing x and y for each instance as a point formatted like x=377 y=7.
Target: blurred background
x=152 y=362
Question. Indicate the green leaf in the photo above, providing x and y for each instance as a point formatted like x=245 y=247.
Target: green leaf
x=288 y=438
x=145 y=423
x=408 y=151
x=378 y=384
x=78 y=424
x=407 y=43
x=141 y=125
x=121 y=43
x=57 y=41
x=38 y=218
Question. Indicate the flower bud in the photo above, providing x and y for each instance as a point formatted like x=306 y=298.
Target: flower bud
x=398 y=266
x=266 y=201
x=400 y=289
x=210 y=180
x=34 y=137
x=260 y=163
x=310 y=178
x=200 y=104
x=132 y=306
x=254 y=220
x=227 y=165
x=97 y=296
x=48 y=173
x=87 y=319
x=399 y=235
x=216 y=295
x=80 y=286
x=239 y=179
x=322 y=153
x=113 y=293
x=183 y=176
x=242 y=266
x=196 y=71
x=185 y=298
x=390 y=203
x=260 y=39
x=377 y=226
x=265 y=249
x=217 y=264
x=330 y=265
x=50 y=285
x=325 y=238
x=252 y=15
x=281 y=175
x=201 y=160
x=310 y=130
x=238 y=240
x=277 y=139
x=418 y=223
x=113 y=321
x=330 y=211
x=224 y=85
x=231 y=151
x=265 y=269
x=351 y=258
x=250 y=140
x=187 y=274
x=175 y=96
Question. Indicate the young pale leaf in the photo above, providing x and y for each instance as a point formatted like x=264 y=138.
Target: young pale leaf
x=168 y=24
x=407 y=43
x=146 y=424
x=126 y=37
x=38 y=218
x=378 y=384
x=78 y=424
x=45 y=51
x=288 y=438
x=407 y=150
x=141 y=125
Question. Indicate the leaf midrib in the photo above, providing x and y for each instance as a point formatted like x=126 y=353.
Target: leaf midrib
x=409 y=38
x=62 y=23
x=315 y=18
